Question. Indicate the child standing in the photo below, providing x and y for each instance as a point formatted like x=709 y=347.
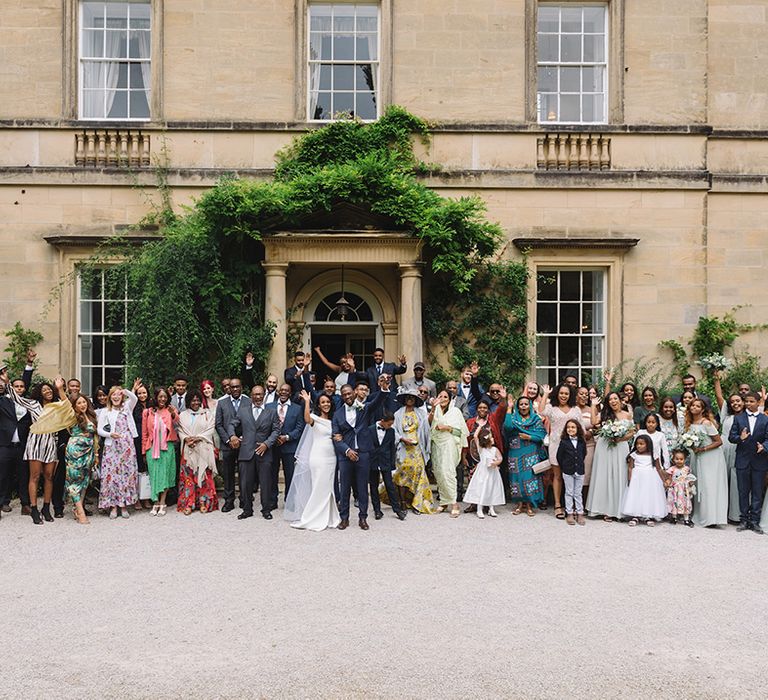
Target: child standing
x=651 y=427
x=644 y=497
x=680 y=489
x=486 y=488
x=571 y=453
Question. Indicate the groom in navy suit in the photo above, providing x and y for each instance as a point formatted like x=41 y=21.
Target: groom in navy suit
x=353 y=444
x=749 y=433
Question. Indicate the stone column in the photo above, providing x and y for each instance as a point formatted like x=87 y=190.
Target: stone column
x=274 y=310
x=411 y=337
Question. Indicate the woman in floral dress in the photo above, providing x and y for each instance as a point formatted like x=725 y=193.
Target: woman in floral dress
x=198 y=462
x=80 y=455
x=119 y=469
x=413 y=442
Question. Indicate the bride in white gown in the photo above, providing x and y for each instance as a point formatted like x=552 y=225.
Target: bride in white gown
x=310 y=504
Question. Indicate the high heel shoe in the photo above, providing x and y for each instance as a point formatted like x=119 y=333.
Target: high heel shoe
x=35 y=513
x=46 y=512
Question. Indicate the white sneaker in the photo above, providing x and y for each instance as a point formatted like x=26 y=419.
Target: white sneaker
x=480 y=513
x=124 y=513
x=492 y=512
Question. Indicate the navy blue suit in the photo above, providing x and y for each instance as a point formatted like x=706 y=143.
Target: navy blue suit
x=335 y=399
x=285 y=454
x=751 y=466
x=383 y=462
x=298 y=382
x=372 y=374
x=357 y=439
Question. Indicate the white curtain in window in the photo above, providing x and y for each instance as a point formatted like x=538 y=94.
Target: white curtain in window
x=314 y=87
x=145 y=51
x=102 y=74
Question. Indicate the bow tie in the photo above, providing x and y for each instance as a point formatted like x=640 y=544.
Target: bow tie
x=465 y=386
x=752 y=415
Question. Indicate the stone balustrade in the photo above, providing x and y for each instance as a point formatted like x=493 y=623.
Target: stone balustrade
x=112 y=148
x=566 y=151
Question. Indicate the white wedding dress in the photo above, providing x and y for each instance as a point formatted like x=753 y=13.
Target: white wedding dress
x=310 y=504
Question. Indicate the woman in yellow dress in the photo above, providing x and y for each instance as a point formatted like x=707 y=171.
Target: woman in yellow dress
x=412 y=437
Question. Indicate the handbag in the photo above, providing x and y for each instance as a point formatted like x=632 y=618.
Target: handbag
x=541 y=467
x=145 y=487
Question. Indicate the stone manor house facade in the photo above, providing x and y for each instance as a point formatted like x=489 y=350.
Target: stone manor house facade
x=621 y=143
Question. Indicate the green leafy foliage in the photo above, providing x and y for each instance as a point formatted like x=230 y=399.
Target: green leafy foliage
x=714 y=335
x=20 y=340
x=486 y=324
x=747 y=369
x=642 y=372
x=680 y=359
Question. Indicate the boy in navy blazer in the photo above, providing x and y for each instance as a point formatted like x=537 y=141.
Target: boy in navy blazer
x=749 y=433
x=383 y=453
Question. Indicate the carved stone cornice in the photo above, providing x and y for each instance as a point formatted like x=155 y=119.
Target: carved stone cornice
x=363 y=247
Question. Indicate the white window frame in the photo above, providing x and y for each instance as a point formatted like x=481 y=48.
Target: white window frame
x=103 y=333
x=595 y=369
x=605 y=64
x=310 y=62
x=81 y=60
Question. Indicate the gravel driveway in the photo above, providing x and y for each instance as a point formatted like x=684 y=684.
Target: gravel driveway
x=212 y=607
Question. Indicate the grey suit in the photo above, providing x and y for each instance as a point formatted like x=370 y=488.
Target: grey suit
x=225 y=414
x=254 y=432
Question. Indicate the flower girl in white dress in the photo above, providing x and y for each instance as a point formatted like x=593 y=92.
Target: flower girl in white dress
x=486 y=488
x=645 y=496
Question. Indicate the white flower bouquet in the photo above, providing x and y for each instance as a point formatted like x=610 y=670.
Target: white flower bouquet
x=714 y=361
x=690 y=440
x=614 y=430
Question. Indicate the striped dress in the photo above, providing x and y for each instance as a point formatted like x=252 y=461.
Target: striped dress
x=39 y=448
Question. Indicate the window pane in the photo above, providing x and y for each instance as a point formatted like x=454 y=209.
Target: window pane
x=568 y=352
x=547 y=80
x=571 y=48
x=569 y=108
x=546 y=318
x=141 y=15
x=570 y=79
x=570 y=19
x=320 y=18
x=139 y=104
x=343 y=77
x=592 y=79
x=367 y=18
x=594 y=20
x=325 y=77
x=343 y=18
x=366 y=105
x=366 y=47
x=117 y=15
x=548 y=108
x=93 y=348
x=122 y=76
x=136 y=76
x=92 y=45
x=591 y=351
x=593 y=286
x=113 y=375
x=547 y=46
x=592 y=108
x=343 y=47
x=93 y=104
x=114 y=316
x=90 y=317
x=114 y=350
x=93 y=14
x=593 y=317
x=322 y=106
x=139 y=45
x=90 y=284
x=570 y=318
x=364 y=77
x=570 y=286
x=547 y=285
x=119 y=109
x=320 y=46
x=343 y=103
x=546 y=351
x=594 y=48
x=548 y=19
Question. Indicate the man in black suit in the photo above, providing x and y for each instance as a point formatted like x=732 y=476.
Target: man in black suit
x=380 y=367
x=298 y=375
x=689 y=384
x=226 y=410
x=383 y=462
x=291 y=417
x=14 y=429
x=749 y=433
x=259 y=426
x=353 y=444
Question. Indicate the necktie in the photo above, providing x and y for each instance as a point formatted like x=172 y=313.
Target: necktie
x=236 y=404
x=378 y=369
x=256 y=412
x=281 y=412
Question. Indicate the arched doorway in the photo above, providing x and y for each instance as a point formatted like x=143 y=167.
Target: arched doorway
x=359 y=332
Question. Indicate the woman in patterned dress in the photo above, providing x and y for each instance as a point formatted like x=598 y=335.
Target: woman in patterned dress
x=40 y=450
x=413 y=443
x=524 y=433
x=80 y=455
x=119 y=468
x=197 y=426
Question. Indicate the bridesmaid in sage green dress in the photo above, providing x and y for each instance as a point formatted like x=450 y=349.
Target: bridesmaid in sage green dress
x=710 y=506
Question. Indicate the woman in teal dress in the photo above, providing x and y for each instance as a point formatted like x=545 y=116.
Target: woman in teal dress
x=524 y=433
x=710 y=507
x=80 y=456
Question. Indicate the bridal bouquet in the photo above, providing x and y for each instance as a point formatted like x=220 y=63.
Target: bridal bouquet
x=614 y=430
x=690 y=440
x=714 y=361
